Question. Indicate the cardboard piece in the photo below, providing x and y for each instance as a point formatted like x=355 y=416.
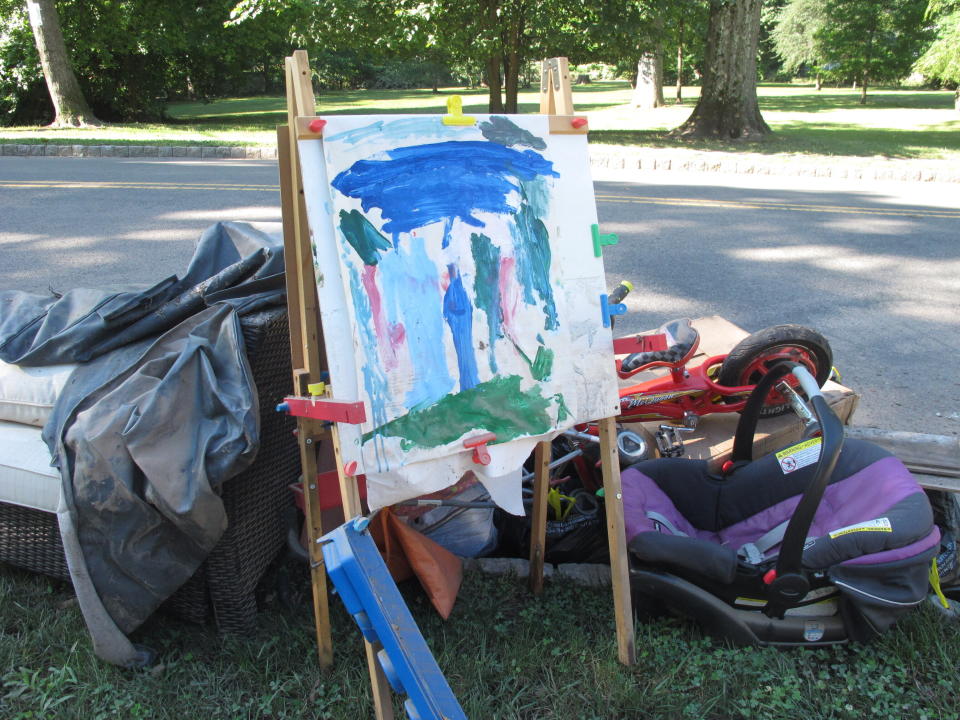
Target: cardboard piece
x=713 y=438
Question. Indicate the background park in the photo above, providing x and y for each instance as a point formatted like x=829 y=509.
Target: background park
x=817 y=80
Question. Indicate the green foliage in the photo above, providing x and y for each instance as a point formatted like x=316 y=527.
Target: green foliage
x=795 y=33
x=871 y=40
x=942 y=58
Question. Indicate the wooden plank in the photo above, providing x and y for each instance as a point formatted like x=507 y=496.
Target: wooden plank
x=568 y=125
x=938 y=482
x=920 y=452
x=538 y=528
x=617 y=539
x=306 y=428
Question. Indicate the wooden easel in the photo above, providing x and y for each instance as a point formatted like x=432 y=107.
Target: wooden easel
x=306 y=344
x=556 y=97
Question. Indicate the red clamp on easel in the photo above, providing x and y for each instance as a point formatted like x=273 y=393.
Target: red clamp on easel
x=578 y=122
x=316 y=125
x=481 y=455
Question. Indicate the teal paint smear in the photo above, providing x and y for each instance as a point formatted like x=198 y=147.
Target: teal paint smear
x=363 y=236
x=396 y=130
x=486 y=289
x=374 y=379
x=498 y=406
x=412 y=297
x=504 y=131
x=532 y=250
x=458 y=312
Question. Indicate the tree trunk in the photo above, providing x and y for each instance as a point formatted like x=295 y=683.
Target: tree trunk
x=728 y=106
x=649 y=91
x=495 y=103
x=956 y=100
x=817 y=84
x=680 y=63
x=863 y=92
x=69 y=105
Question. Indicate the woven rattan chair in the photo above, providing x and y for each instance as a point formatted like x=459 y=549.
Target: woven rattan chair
x=256 y=502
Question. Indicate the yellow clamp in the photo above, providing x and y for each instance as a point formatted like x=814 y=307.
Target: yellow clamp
x=455 y=110
x=316 y=389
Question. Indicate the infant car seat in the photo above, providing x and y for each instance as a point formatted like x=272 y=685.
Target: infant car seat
x=822 y=542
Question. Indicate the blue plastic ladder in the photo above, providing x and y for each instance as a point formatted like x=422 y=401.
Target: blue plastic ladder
x=372 y=598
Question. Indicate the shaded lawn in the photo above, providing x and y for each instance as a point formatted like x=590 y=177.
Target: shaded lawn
x=505 y=654
x=894 y=123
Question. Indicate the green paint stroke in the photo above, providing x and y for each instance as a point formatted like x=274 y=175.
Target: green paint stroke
x=542 y=364
x=363 y=236
x=498 y=406
x=486 y=288
x=563 y=412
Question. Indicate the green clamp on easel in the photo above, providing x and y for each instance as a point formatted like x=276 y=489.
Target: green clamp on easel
x=455 y=110
x=599 y=240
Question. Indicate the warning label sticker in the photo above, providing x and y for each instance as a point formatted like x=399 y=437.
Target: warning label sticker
x=799 y=456
x=876 y=525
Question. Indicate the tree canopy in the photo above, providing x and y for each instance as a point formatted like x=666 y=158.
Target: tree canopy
x=942 y=59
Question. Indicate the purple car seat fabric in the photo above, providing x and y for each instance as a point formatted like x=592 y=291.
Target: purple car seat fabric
x=873 y=531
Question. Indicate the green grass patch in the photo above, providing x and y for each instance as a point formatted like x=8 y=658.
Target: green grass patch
x=505 y=653
x=895 y=123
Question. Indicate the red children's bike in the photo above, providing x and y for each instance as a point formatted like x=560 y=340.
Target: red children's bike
x=683 y=393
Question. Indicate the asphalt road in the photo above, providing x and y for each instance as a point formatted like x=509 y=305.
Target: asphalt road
x=875 y=268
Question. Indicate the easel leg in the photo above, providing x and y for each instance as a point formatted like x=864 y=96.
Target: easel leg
x=350 y=496
x=616 y=536
x=538 y=526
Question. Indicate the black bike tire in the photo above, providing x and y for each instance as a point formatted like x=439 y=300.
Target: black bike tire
x=753 y=346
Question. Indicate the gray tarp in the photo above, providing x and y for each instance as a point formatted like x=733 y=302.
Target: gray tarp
x=160 y=412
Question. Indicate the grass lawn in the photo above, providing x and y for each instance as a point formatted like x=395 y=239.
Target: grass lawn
x=918 y=124
x=504 y=653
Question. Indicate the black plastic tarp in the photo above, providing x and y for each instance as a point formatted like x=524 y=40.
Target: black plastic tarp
x=161 y=409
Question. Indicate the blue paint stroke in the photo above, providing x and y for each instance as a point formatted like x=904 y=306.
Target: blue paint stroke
x=396 y=130
x=533 y=254
x=410 y=286
x=459 y=315
x=374 y=378
x=486 y=289
x=455 y=180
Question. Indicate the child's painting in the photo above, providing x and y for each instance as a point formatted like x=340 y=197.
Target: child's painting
x=459 y=292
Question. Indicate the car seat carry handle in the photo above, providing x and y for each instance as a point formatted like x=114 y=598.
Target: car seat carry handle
x=747 y=427
x=790 y=583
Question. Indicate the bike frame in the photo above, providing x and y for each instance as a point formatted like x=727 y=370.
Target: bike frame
x=680 y=393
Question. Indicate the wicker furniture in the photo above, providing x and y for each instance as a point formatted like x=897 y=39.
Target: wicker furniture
x=256 y=501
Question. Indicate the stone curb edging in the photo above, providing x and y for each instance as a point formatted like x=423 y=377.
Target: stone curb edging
x=144 y=151
x=601 y=156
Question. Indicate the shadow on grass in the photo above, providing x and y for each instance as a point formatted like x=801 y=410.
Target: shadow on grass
x=850 y=100
x=803 y=138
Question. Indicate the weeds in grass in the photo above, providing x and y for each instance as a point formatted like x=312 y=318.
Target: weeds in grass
x=506 y=655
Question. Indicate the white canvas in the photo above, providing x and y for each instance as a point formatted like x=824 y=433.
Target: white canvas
x=459 y=293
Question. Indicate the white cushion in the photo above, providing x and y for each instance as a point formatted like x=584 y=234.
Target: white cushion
x=27 y=394
x=26 y=478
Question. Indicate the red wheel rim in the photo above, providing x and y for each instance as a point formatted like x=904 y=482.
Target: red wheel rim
x=760 y=365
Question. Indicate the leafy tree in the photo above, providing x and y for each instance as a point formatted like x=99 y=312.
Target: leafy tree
x=70 y=106
x=794 y=35
x=942 y=58
x=728 y=106
x=872 y=40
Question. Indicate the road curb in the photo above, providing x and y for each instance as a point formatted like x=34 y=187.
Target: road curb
x=601 y=156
